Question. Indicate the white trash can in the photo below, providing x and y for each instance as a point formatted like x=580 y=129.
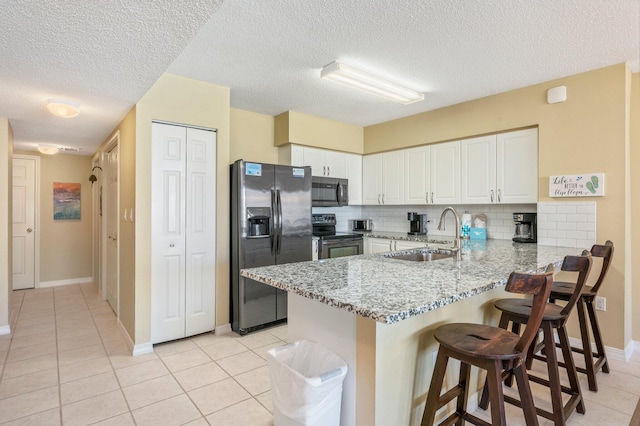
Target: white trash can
x=306 y=384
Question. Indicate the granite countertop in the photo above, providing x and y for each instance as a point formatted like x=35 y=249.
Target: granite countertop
x=390 y=290
x=429 y=239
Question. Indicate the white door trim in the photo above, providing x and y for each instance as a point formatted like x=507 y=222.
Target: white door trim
x=113 y=143
x=36 y=215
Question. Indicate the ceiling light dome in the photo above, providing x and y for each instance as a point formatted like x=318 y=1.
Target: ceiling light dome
x=63 y=108
x=48 y=149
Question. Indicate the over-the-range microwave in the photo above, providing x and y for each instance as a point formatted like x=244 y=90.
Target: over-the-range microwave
x=329 y=192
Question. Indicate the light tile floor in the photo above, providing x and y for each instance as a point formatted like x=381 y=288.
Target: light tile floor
x=66 y=363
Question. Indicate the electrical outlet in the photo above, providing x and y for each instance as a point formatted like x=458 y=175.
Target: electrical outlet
x=601 y=304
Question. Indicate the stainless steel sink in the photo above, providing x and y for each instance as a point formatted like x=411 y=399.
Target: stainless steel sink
x=424 y=256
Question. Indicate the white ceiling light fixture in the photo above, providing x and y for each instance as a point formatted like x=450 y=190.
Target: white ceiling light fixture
x=345 y=74
x=48 y=149
x=63 y=108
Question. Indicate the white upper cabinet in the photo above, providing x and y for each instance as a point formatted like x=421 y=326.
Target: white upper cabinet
x=325 y=163
x=417 y=176
x=328 y=163
x=500 y=168
x=478 y=174
x=517 y=168
x=372 y=179
x=354 y=175
x=445 y=173
x=383 y=178
x=432 y=174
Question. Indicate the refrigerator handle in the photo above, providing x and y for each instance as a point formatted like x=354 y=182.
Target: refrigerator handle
x=272 y=223
x=279 y=234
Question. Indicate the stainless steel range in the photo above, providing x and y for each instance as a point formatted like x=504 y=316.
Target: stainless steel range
x=334 y=244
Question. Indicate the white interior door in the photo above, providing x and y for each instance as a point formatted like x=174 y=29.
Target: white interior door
x=24 y=222
x=168 y=232
x=200 y=231
x=112 y=227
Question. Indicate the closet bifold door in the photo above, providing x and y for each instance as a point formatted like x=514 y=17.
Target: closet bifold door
x=183 y=232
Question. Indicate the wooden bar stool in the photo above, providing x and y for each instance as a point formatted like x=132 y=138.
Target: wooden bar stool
x=562 y=290
x=520 y=311
x=490 y=348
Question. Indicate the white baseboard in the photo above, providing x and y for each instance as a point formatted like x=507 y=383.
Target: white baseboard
x=142 y=349
x=56 y=283
x=139 y=349
x=612 y=353
x=223 y=329
x=5 y=329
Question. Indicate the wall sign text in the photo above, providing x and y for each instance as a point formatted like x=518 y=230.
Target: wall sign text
x=586 y=185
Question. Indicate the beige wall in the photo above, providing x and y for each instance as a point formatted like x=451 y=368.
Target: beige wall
x=635 y=202
x=65 y=245
x=180 y=100
x=587 y=133
x=125 y=136
x=6 y=206
x=252 y=137
x=304 y=129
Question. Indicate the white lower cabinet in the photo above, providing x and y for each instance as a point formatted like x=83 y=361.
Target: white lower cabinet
x=383 y=245
x=183 y=238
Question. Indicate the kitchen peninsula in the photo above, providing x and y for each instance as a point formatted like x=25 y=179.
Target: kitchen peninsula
x=389 y=342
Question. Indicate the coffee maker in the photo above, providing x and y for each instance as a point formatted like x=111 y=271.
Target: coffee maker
x=526 y=231
x=418 y=223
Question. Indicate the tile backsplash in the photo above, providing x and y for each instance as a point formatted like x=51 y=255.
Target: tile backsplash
x=567 y=224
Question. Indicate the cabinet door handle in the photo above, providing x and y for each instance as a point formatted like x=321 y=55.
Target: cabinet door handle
x=391 y=245
x=432 y=198
x=324 y=170
x=382 y=198
x=426 y=197
x=395 y=245
x=378 y=198
x=328 y=171
x=492 y=195
x=499 y=197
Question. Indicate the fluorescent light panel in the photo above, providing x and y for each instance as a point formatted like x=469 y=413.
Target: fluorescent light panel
x=345 y=74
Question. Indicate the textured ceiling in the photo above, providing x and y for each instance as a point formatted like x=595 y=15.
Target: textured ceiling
x=102 y=54
x=106 y=54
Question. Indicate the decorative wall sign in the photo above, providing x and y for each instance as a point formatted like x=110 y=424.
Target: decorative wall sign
x=66 y=201
x=586 y=185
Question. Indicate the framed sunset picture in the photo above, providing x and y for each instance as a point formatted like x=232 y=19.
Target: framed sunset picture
x=66 y=201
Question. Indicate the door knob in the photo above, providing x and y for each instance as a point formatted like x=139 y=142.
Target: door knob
x=29 y=230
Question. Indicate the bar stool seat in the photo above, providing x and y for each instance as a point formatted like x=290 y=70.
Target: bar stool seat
x=518 y=312
x=561 y=290
x=490 y=348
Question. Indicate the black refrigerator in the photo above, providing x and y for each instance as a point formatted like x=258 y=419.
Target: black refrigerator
x=270 y=225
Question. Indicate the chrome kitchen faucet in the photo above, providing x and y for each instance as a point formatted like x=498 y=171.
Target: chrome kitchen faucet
x=441 y=227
